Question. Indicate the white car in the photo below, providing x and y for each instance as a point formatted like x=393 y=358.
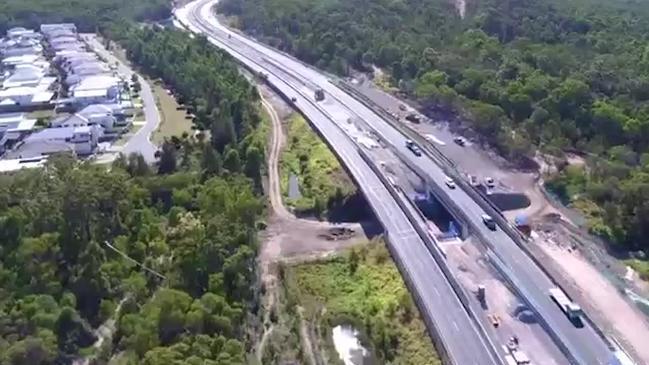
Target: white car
x=473 y=180
x=450 y=183
x=490 y=182
x=489 y=222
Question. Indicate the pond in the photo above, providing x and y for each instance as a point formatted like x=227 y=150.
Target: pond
x=348 y=346
x=294 y=187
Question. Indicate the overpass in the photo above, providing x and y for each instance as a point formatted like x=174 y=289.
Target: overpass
x=296 y=80
x=460 y=337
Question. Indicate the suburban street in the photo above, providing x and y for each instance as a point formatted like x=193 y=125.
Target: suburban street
x=333 y=118
x=140 y=142
x=459 y=333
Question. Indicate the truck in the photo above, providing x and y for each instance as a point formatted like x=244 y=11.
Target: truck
x=571 y=309
x=319 y=95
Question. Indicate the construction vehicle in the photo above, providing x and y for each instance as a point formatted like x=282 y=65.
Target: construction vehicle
x=482 y=294
x=571 y=309
x=319 y=95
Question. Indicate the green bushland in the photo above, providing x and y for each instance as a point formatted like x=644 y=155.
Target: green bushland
x=527 y=75
x=206 y=80
x=363 y=288
x=193 y=218
x=88 y=15
x=323 y=181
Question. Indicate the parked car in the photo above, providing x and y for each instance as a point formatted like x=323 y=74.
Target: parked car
x=450 y=183
x=489 y=222
x=294 y=99
x=460 y=141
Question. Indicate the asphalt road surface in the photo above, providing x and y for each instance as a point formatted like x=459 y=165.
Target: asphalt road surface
x=140 y=142
x=583 y=343
x=438 y=303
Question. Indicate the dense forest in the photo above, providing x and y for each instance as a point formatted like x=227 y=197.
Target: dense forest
x=207 y=81
x=88 y=15
x=192 y=220
x=527 y=75
x=59 y=278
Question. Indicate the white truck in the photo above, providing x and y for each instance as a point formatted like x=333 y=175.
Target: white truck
x=571 y=309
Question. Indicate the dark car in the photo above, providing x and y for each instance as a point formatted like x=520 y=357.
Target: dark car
x=412 y=146
x=489 y=222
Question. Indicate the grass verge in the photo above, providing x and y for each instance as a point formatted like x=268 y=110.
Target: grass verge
x=363 y=288
x=321 y=178
x=173 y=122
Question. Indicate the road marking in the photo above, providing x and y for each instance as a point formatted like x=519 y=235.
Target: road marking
x=432 y=138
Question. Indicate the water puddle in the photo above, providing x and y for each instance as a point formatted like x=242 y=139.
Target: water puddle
x=348 y=346
x=294 y=187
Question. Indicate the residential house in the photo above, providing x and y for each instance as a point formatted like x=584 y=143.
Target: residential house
x=13 y=128
x=82 y=141
x=95 y=89
x=110 y=117
x=50 y=28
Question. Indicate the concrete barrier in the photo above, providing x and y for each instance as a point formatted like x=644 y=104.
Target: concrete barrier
x=407 y=206
x=479 y=197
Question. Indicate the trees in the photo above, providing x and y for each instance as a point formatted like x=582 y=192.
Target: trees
x=58 y=276
x=526 y=74
x=94 y=13
x=208 y=81
x=168 y=159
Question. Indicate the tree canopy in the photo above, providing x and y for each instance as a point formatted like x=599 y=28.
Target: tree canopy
x=66 y=230
x=87 y=15
x=527 y=75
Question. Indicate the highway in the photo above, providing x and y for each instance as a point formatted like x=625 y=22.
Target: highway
x=439 y=305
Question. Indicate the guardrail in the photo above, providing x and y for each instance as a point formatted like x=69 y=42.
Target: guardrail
x=479 y=197
x=425 y=237
x=433 y=247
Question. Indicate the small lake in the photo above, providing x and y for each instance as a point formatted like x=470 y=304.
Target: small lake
x=349 y=348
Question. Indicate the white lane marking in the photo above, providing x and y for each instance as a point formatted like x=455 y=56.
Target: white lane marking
x=432 y=138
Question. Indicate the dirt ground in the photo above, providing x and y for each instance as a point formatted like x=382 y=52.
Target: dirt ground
x=288 y=239
x=592 y=274
x=472 y=270
x=600 y=298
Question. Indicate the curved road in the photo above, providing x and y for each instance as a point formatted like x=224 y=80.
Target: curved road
x=440 y=306
x=140 y=142
x=584 y=344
